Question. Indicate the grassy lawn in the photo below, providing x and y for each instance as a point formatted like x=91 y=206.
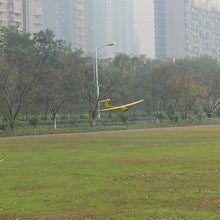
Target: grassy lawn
x=158 y=174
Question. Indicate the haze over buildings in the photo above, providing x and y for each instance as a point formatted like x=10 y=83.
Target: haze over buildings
x=92 y=23
x=26 y=14
x=71 y=20
x=144 y=26
x=113 y=23
x=86 y=24
x=186 y=28
x=176 y=28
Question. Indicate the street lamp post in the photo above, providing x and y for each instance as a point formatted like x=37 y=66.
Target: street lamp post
x=96 y=72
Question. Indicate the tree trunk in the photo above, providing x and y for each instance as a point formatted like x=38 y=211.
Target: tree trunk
x=45 y=113
x=12 y=124
x=93 y=114
x=93 y=122
x=186 y=117
x=54 y=122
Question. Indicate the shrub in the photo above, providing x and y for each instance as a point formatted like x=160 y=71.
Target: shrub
x=33 y=121
x=84 y=116
x=73 y=120
x=124 y=117
x=173 y=116
x=3 y=127
x=160 y=115
x=217 y=112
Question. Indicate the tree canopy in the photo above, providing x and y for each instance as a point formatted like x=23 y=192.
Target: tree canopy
x=39 y=73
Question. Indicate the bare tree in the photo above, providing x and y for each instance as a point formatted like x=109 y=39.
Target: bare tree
x=51 y=88
x=16 y=85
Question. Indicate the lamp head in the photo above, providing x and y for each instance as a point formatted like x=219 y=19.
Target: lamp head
x=111 y=44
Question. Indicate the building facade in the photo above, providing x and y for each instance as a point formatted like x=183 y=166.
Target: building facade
x=11 y=13
x=186 y=28
x=70 y=20
x=26 y=14
x=85 y=24
x=114 y=24
x=32 y=16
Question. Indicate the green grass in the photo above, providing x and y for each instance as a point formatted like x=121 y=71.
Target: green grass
x=157 y=174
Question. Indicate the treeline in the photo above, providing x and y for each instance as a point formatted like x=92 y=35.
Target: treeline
x=40 y=75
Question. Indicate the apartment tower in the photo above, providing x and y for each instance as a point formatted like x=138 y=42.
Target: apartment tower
x=70 y=20
x=32 y=16
x=26 y=14
x=186 y=28
x=11 y=13
x=114 y=24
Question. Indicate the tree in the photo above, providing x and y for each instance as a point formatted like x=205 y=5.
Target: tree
x=52 y=88
x=15 y=88
x=158 y=80
x=174 y=88
x=52 y=81
x=131 y=72
x=122 y=61
x=206 y=70
x=191 y=94
x=212 y=100
x=50 y=51
x=85 y=75
x=17 y=69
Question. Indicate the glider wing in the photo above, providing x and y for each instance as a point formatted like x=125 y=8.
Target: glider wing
x=133 y=103
x=122 y=107
x=108 y=109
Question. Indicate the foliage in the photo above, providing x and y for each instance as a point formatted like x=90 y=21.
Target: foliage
x=50 y=51
x=160 y=115
x=34 y=121
x=218 y=111
x=40 y=75
x=124 y=117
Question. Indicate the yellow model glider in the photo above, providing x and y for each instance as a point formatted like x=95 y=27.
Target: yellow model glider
x=122 y=107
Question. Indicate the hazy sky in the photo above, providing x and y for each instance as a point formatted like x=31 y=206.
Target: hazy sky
x=144 y=24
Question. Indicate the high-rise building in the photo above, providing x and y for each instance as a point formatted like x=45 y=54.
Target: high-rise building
x=53 y=17
x=70 y=20
x=11 y=12
x=114 y=24
x=32 y=16
x=186 y=28
x=26 y=14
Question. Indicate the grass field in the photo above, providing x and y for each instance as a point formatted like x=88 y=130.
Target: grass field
x=157 y=174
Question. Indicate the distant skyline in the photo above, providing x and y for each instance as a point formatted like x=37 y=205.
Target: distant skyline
x=144 y=25
x=113 y=22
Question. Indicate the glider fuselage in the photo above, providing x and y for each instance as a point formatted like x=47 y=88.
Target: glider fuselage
x=122 y=107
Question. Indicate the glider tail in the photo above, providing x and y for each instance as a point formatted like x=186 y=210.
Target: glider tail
x=106 y=103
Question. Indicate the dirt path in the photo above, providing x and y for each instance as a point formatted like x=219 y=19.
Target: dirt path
x=129 y=130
